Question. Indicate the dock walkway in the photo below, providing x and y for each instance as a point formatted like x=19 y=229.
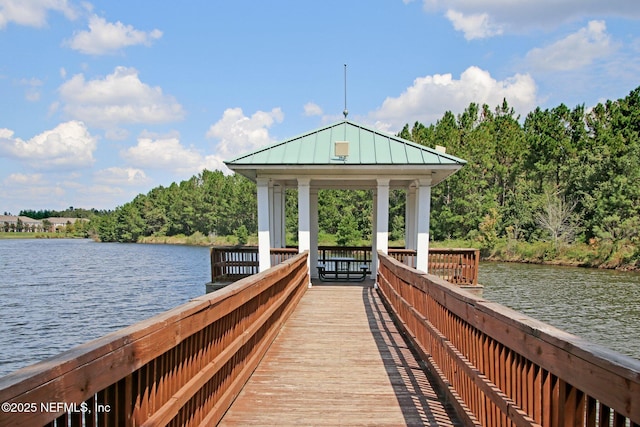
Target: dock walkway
x=338 y=361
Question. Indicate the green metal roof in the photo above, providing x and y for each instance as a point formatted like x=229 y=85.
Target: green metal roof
x=366 y=147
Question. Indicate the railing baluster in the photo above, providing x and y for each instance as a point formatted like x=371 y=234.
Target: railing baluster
x=515 y=371
x=459 y=266
x=172 y=369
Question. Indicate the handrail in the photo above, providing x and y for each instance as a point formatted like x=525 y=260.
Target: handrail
x=184 y=366
x=455 y=265
x=506 y=368
x=458 y=266
x=230 y=263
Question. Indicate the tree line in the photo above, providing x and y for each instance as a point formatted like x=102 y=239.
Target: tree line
x=562 y=175
x=209 y=203
x=70 y=212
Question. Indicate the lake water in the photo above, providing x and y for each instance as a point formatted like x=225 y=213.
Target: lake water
x=56 y=294
x=602 y=306
x=59 y=293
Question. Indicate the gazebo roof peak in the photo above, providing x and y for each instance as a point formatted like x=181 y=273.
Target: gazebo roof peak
x=346 y=145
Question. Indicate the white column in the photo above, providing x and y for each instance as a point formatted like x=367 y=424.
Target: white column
x=272 y=227
x=424 y=211
x=264 y=240
x=382 y=218
x=304 y=218
x=278 y=217
x=283 y=221
x=410 y=218
x=374 y=235
x=313 y=255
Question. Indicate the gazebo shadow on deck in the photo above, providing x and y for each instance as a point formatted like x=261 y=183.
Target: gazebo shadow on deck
x=408 y=374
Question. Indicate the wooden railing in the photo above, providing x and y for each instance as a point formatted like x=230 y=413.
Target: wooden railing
x=231 y=263
x=504 y=368
x=458 y=266
x=183 y=367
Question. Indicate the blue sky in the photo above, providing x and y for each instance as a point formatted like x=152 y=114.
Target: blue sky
x=104 y=100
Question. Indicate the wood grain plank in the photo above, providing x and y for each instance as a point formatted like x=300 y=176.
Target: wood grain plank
x=339 y=360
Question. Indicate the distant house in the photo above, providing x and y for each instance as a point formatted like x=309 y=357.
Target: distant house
x=57 y=222
x=12 y=223
x=18 y=224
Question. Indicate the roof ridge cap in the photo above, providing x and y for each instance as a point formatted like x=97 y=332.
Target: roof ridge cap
x=360 y=127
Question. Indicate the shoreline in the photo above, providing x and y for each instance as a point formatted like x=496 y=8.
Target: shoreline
x=565 y=263
x=540 y=253
x=37 y=235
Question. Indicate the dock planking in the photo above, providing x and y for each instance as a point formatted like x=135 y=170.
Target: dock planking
x=338 y=361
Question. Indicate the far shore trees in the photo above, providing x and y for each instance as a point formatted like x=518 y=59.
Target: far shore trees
x=559 y=174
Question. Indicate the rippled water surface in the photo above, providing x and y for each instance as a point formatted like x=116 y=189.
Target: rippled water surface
x=59 y=293
x=55 y=294
x=601 y=306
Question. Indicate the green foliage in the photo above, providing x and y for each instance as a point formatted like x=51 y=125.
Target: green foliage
x=397 y=228
x=588 y=160
x=347 y=233
x=71 y=212
x=242 y=234
x=488 y=234
x=209 y=203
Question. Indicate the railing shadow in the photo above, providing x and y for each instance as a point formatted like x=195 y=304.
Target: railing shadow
x=501 y=367
x=409 y=376
x=181 y=367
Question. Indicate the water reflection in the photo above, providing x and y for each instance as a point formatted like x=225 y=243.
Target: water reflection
x=56 y=294
x=602 y=306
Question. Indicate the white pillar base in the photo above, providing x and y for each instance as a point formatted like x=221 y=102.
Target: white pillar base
x=423 y=197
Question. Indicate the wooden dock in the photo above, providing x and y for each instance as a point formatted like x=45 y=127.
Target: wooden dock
x=338 y=361
x=267 y=350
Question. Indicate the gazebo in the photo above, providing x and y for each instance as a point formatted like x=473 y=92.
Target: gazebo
x=344 y=155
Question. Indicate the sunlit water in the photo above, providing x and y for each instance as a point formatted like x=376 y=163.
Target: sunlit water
x=55 y=294
x=602 y=306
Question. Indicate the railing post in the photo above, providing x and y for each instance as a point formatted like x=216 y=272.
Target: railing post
x=476 y=265
x=188 y=363
x=507 y=368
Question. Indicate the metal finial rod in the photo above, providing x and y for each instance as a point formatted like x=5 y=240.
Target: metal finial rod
x=345 y=112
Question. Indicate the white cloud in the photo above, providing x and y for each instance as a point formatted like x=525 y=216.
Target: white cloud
x=312 y=109
x=32 y=92
x=238 y=134
x=32 y=192
x=58 y=191
x=105 y=37
x=23 y=180
x=68 y=146
x=476 y=26
x=574 y=51
x=521 y=15
x=119 y=98
x=104 y=196
x=32 y=13
x=116 y=134
x=53 y=108
x=121 y=176
x=430 y=96
x=168 y=153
